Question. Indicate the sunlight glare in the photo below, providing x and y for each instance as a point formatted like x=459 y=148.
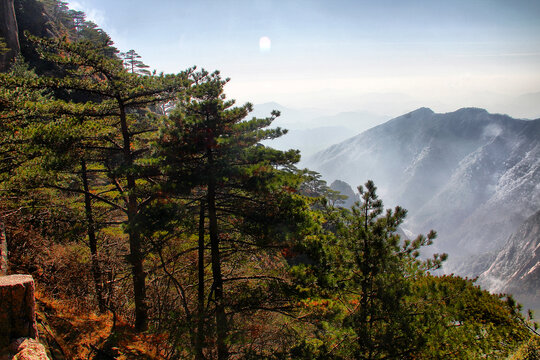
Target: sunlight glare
x=265 y=44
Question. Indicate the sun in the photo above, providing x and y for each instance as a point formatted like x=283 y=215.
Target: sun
x=265 y=44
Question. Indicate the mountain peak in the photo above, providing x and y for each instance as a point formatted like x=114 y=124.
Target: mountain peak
x=472 y=110
x=421 y=111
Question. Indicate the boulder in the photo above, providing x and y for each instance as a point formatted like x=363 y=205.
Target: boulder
x=28 y=349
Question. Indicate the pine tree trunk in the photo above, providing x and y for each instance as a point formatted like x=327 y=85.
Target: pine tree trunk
x=4 y=264
x=200 y=291
x=136 y=257
x=92 y=239
x=221 y=319
x=139 y=282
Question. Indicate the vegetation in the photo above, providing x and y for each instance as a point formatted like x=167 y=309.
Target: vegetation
x=148 y=199
x=3 y=46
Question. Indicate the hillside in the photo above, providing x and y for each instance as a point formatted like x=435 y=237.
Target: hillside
x=516 y=269
x=471 y=175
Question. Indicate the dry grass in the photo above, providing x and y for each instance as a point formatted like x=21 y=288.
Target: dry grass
x=71 y=332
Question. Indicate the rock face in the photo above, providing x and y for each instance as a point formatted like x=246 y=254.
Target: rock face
x=28 y=349
x=9 y=31
x=516 y=269
x=18 y=309
x=345 y=189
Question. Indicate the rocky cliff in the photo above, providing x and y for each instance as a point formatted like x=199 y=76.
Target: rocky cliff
x=10 y=32
x=516 y=268
x=345 y=189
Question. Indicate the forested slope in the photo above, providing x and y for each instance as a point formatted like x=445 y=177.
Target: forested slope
x=153 y=218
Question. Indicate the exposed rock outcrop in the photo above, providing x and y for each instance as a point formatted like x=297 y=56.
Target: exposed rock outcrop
x=27 y=349
x=516 y=269
x=10 y=32
x=18 y=309
x=345 y=189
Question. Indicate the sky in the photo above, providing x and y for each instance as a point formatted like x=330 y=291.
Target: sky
x=343 y=55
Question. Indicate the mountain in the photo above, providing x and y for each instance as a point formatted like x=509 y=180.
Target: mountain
x=472 y=176
x=516 y=268
x=310 y=141
x=345 y=189
x=312 y=130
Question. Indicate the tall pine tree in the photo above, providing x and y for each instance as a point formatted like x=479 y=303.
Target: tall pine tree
x=244 y=190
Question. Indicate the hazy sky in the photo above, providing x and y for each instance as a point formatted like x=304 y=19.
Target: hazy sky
x=341 y=54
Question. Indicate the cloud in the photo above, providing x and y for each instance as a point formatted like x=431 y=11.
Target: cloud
x=492 y=130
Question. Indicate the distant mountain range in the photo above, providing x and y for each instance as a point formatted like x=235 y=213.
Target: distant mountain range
x=311 y=130
x=472 y=176
x=314 y=129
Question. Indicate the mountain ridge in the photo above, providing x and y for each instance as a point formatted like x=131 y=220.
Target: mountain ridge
x=470 y=175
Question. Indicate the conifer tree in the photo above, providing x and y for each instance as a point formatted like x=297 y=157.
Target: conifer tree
x=133 y=63
x=79 y=19
x=369 y=294
x=243 y=188
x=55 y=148
x=114 y=106
x=376 y=265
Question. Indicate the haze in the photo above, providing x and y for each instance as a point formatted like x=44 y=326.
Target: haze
x=386 y=57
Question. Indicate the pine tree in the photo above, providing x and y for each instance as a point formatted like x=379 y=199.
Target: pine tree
x=133 y=64
x=243 y=189
x=369 y=295
x=376 y=265
x=113 y=102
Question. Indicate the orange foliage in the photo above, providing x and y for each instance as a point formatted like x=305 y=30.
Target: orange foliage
x=81 y=334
